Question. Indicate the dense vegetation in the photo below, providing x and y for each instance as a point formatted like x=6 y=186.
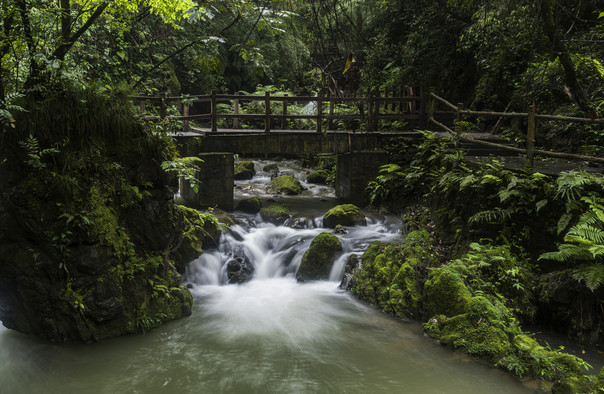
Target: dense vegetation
x=77 y=168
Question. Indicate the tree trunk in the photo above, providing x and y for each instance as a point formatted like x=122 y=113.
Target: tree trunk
x=559 y=49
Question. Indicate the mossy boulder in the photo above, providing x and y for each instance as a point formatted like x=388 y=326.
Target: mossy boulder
x=272 y=169
x=319 y=177
x=249 y=205
x=317 y=261
x=285 y=184
x=202 y=230
x=345 y=215
x=445 y=293
x=275 y=213
x=388 y=279
x=86 y=234
x=244 y=170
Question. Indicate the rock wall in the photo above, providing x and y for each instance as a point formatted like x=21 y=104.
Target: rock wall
x=85 y=238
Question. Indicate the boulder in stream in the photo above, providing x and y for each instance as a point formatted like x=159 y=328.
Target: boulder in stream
x=285 y=184
x=202 y=231
x=244 y=170
x=317 y=261
x=275 y=213
x=319 y=177
x=345 y=215
x=272 y=169
x=249 y=205
x=239 y=269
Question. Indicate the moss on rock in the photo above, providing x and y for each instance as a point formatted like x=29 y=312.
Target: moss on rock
x=249 y=205
x=285 y=184
x=244 y=170
x=319 y=177
x=345 y=215
x=445 y=293
x=202 y=230
x=275 y=213
x=317 y=261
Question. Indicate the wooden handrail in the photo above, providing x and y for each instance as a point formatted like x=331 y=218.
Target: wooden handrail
x=214 y=98
x=532 y=117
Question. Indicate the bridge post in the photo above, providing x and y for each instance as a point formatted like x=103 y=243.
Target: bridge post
x=236 y=111
x=216 y=182
x=185 y=112
x=283 y=119
x=162 y=106
x=319 y=111
x=214 y=111
x=354 y=170
x=267 y=112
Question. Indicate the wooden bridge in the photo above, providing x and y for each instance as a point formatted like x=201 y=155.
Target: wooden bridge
x=240 y=112
x=262 y=125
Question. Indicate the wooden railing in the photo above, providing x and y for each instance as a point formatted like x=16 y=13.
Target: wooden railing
x=410 y=107
x=532 y=118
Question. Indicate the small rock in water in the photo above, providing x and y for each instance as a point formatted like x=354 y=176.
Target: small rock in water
x=240 y=269
x=300 y=223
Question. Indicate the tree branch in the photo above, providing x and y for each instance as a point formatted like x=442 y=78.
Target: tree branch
x=170 y=56
x=62 y=49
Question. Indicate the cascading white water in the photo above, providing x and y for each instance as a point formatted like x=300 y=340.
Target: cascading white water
x=269 y=335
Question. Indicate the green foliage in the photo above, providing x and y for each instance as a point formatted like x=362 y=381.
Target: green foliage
x=186 y=168
x=7 y=107
x=584 y=244
x=34 y=153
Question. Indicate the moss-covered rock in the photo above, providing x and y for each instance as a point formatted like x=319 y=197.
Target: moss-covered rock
x=389 y=279
x=272 y=169
x=317 y=261
x=275 y=213
x=244 y=170
x=202 y=230
x=285 y=184
x=345 y=215
x=319 y=177
x=85 y=234
x=249 y=205
x=445 y=293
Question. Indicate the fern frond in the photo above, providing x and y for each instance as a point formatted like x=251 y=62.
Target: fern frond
x=571 y=183
x=585 y=233
x=568 y=253
x=493 y=216
x=592 y=275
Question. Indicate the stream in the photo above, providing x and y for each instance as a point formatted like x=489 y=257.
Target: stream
x=269 y=335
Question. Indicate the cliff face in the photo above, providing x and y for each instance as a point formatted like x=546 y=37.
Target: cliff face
x=86 y=230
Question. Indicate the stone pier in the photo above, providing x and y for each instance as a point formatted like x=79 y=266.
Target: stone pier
x=215 y=182
x=353 y=171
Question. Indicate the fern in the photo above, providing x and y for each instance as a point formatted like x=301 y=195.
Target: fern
x=584 y=242
x=592 y=275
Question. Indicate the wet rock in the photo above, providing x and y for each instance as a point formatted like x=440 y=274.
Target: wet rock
x=272 y=169
x=339 y=229
x=300 y=223
x=249 y=205
x=285 y=184
x=239 y=269
x=202 y=231
x=345 y=215
x=244 y=170
x=319 y=177
x=317 y=261
x=351 y=269
x=275 y=213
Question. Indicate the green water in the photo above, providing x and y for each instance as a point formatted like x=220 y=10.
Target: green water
x=269 y=336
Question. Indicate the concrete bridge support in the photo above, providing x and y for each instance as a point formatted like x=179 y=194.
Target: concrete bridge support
x=216 y=182
x=353 y=171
